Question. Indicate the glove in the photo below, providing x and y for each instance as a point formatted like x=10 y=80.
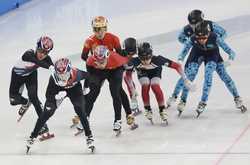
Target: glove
x=232 y=55
x=227 y=63
x=85 y=90
x=180 y=62
x=60 y=97
x=189 y=85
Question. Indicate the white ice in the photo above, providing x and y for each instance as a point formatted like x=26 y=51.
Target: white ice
x=221 y=136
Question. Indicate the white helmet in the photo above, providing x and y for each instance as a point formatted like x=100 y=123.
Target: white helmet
x=101 y=53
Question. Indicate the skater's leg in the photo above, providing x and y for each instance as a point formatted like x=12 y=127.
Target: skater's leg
x=130 y=83
x=125 y=102
x=208 y=79
x=145 y=87
x=31 y=85
x=78 y=100
x=91 y=97
x=224 y=76
x=15 y=93
x=49 y=110
x=191 y=72
x=115 y=85
x=156 y=88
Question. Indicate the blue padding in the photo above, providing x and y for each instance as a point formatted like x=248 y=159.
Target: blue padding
x=7 y=5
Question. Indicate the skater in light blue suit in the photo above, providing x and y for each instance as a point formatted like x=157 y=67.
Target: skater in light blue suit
x=191 y=67
x=205 y=47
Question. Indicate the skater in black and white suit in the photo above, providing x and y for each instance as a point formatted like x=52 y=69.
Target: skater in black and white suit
x=65 y=79
x=25 y=73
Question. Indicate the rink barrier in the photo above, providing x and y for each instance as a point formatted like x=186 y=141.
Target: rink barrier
x=9 y=5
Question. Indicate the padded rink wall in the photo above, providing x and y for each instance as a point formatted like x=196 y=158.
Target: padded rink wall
x=8 y=5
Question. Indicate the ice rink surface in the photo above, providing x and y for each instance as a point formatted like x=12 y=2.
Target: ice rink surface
x=221 y=136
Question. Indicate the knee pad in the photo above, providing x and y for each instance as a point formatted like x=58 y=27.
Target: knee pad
x=144 y=81
x=155 y=80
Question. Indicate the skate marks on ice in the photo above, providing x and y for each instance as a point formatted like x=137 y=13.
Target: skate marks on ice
x=234 y=26
x=37 y=153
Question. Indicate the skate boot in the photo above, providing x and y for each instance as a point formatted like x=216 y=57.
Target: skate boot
x=239 y=104
x=171 y=100
x=23 y=110
x=163 y=115
x=180 y=107
x=90 y=143
x=75 y=121
x=149 y=114
x=131 y=122
x=79 y=129
x=44 y=129
x=29 y=143
x=117 y=127
x=44 y=133
x=201 y=107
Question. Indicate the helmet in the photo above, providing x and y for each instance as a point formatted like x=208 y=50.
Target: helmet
x=101 y=53
x=202 y=29
x=130 y=45
x=99 y=22
x=145 y=51
x=195 y=16
x=45 y=43
x=63 y=69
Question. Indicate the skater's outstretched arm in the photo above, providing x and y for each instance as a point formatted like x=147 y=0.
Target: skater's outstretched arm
x=226 y=48
x=29 y=56
x=187 y=46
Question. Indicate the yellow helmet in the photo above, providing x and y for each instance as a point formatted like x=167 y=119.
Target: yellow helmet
x=99 y=22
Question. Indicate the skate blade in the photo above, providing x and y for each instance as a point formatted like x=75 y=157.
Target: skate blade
x=46 y=137
x=198 y=114
x=27 y=150
x=78 y=133
x=91 y=149
x=21 y=115
x=117 y=133
x=134 y=126
x=165 y=122
x=73 y=125
x=179 y=113
x=151 y=121
x=243 y=109
x=19 y=119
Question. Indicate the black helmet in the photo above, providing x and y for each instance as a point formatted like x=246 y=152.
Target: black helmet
x=202 y=29
x=130 y=45
x=145 y=51
x=195 y=16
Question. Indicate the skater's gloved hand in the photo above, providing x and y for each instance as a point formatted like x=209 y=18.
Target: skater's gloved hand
x=180 y=61
x=228 y=62
x=85 y=90
x=189 y=85
x=60 y=95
